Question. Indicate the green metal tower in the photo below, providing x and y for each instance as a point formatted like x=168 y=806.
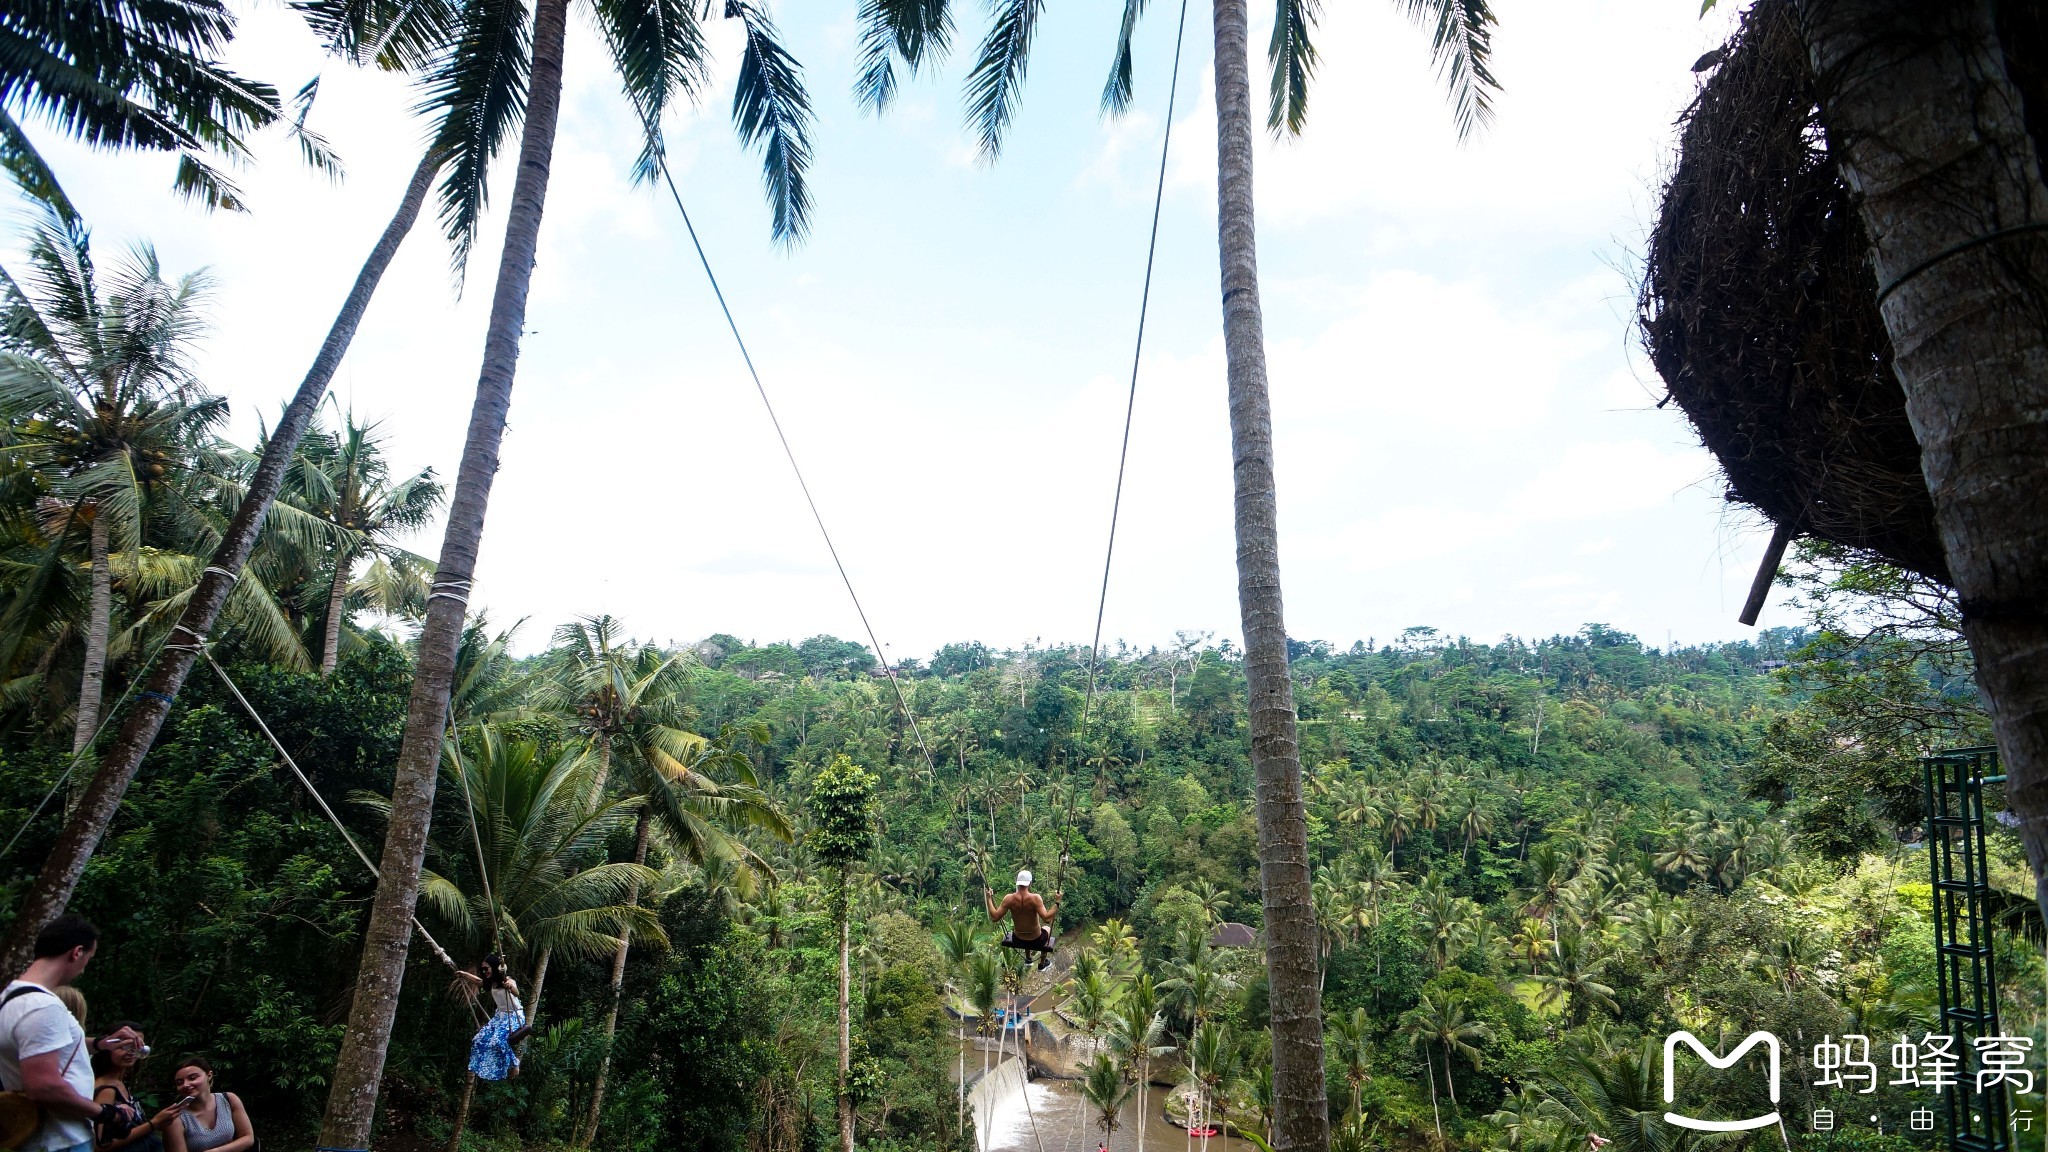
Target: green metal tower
x=1964 y=962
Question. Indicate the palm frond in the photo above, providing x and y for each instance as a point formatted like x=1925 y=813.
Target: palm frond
x=478 y=91
x=890 y=30
x=1461 y=46
x=657 y=47
x=1116 y=93
x=995 y=85
x=1291 y=55
x=203 y=184
x=30 y=172
x=395 y=35
x=771 y=108
x=313 y=147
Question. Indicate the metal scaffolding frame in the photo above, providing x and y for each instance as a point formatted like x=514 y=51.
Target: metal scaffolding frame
x=1965 y=964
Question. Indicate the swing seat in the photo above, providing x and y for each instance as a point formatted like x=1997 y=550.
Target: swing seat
x=1041 y=943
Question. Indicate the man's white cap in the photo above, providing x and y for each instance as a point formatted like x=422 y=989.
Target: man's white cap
x=1024 y=878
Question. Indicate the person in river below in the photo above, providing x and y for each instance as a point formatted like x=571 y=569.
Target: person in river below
x=1030 y=918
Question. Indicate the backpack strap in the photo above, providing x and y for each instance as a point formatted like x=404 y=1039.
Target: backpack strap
x=24 y=990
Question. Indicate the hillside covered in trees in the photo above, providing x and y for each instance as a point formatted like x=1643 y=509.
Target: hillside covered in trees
x=1533 y=859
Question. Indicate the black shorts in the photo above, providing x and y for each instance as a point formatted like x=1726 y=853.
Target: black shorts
x=1042 y=943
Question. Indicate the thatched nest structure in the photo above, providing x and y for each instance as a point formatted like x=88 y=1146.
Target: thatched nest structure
x=1759 y=309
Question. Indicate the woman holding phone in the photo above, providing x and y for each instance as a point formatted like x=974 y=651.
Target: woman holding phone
x=114 y=1077
x=204 y=1120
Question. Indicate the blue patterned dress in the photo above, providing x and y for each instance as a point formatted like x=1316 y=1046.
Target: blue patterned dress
x=490 y=1055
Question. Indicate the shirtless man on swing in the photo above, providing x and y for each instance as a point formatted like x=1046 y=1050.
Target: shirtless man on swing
x=1030 y=918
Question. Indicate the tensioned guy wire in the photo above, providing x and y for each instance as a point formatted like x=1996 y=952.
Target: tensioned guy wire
x=790 y=454
x=1137 y=355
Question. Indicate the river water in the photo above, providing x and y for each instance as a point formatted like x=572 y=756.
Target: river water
x=1048 y=1115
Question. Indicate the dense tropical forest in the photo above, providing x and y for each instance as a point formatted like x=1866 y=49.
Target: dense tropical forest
x=1532 y=859
x=741 y=883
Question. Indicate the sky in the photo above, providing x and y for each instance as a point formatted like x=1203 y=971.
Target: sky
x=1465 y=427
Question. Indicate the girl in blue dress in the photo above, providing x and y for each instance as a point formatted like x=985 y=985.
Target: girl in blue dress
x=491 y=1054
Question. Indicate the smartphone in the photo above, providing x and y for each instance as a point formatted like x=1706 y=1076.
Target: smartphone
x=188 y=1102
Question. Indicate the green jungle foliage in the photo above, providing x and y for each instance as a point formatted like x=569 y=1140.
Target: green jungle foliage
x=1532 y=860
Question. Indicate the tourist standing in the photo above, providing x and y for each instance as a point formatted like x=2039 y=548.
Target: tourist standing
x=115 y=1084
x=43 y=1050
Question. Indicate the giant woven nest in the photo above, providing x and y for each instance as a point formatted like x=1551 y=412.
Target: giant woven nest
x=1759 y=309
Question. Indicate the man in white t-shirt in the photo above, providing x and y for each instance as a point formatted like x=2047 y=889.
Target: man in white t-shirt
x=43 y=1051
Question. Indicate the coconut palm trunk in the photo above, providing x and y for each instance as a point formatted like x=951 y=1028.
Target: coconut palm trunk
x=1301 y=1118
x=330 y=646
x=1931 y=132
x=641 y=829
x=352 y=1101
x=540 y=977
x=96 y=806
x=92 y=685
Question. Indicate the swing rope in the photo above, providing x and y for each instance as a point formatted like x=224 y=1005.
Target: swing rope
x=483 y=871
x=1137 y=356
x=902 y=703
x=1123 y=455
x=318 y=799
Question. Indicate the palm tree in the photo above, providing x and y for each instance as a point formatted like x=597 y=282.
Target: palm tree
x=503 y=68
x=957 y=941
x=1571 y=973
x=1474 y=822
x=1615 y=1095
x=1352 y=1038
x=1116 y=942
x=1211 y=1058
x=411 y=31
x=1527 y=1117
x=1091 y=997
x=97 y=379
x=1136 y=1034
x=122 y=75
x=1106 y=1089
x=984 y=987
x=1531 y=942
x=529 y=832
x=677 y=774
x=1197 y=986
x=1213 y=901
x=1460 y=45
x=1440 y=1018
x=345 y=480
x=1939 y=149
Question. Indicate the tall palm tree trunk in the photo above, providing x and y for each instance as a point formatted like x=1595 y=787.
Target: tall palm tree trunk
x=1301 y=1119
x=1144 y=1088
x=641 y=828
x=352 y=1101
x=845 y=1018
x=1933 y=139
x=337 y=591
x=540 y=977
x=95 y=810
x=99 y=625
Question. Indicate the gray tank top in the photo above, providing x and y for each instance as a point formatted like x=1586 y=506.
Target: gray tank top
x=200 y=1137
